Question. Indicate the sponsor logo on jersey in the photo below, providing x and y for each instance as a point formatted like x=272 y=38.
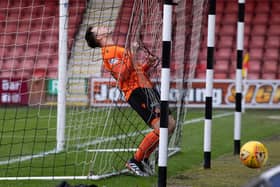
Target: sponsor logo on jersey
x=113 y=61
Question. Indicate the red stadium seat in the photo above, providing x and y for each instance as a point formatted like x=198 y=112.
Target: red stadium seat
x=273 y=41
x=71 y=32
x=36 y=3
x=16 y=52
x=51 y=38
x=53 y=65
x=219 y=18
x=259 y=29
x=203 y=43
x=271 y=54
x=220 y=7
x=221 y=66
x=274 y=30
x=224 y=53
x=248 y=18
x=26 y=64
x=270 y=66
x=42 y=63
x=39 y=26
x=268 y=76
x=4 y=4
x=4 y=51
x=23 y=73
x=52 y=74
x=203 y=54
x=261 y=18
x=254 y=66
x=275 y=8
x=52 y=3
x=21 y=39
x=25 y=26
x=34 y=39
x=262 y=7
x=10 y=64
x=2 y=18
x=6 y=40
x=220 y=75
x=31 y=51
x=225 y=41
x=246 y=41
x=51 y=11
x=274 y=19
x=46 y=49
x=229 y=29
x=14 y=14
x=249 y=7
x=73 y=21
x=247 y=30
x=7 y=74
x=11 y=26
x=231 y=7
x=40 y=69
x=25 y=68
x=261 y=40
x=232 y=75
x=256 y=53
x=201 y=69
x=75 y=10
x=230 y=18
x=37 y=12
x=200 y=75
x=257 y=41
x=253 y=75
x=48 y=21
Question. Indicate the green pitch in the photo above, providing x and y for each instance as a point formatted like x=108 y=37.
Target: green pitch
x=185 y=168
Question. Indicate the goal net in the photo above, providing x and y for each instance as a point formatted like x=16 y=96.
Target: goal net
x=61 y=114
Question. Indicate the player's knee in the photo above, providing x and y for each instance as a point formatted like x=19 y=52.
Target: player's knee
x=171 y=124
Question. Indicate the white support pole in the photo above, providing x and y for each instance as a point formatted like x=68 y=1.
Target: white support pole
x=62 y=79
x=164 y=95
x=209 y=84
x=238 y=80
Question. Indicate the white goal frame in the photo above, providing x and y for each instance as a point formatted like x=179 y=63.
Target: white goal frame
x=61 y=117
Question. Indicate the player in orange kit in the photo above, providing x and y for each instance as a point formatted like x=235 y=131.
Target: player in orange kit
x=138 y=91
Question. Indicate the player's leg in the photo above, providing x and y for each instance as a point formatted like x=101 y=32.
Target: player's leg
x=145 y=101
x=141 y=101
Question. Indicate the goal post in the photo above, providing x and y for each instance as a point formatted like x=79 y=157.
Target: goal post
x=61 y=114
x=62 y=75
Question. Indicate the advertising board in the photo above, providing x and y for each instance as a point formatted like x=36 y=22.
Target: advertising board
x=13 y=91
x=257 y=93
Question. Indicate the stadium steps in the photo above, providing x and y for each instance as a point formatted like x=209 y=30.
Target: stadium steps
x=84 y=61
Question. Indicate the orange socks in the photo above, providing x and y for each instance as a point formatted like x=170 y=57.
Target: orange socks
x=147 y=146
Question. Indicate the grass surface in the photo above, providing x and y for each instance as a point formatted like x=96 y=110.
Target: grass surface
x=185 y=168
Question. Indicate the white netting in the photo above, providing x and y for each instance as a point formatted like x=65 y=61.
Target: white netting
x=101 y=131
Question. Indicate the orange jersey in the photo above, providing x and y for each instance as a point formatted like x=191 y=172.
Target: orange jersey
x=118 y=61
